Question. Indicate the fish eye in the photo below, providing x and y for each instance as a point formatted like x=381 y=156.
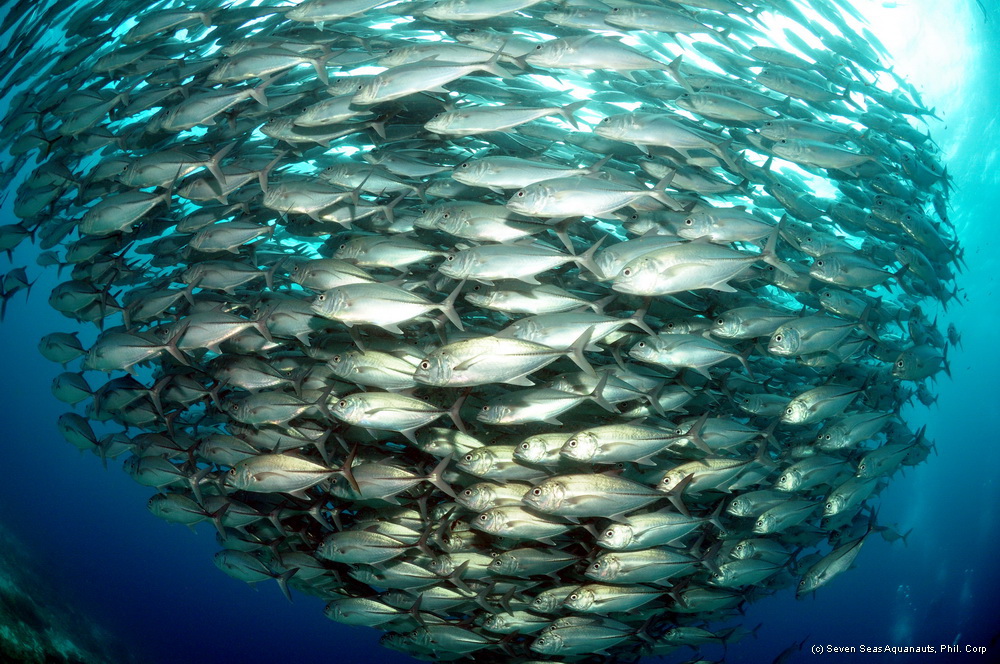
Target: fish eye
x=538 y=48
x=486 y=409
x=451 y=257
x=595 y=566
x=524 y=446
x=641 y=344
x=574 y=597
x=572 y=443
x=899 y=364
x=446 y=215
x=321 y=297
x=819 y=263
x=235 y=407
x=777 y=337
x=468 y=457
x=689 y=221
x=425 y=365
x=609 y=533
x=536 y=492
x=336 y=358
x=829 y=437
x=788 y=411
x=342 y=403
x=520 y=194
x=627 y=272
x=467 y=492
x=482 y=517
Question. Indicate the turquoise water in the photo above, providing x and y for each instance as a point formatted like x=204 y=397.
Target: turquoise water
x=154 y=587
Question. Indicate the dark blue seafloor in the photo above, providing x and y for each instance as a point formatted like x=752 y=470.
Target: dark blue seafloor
x=94 y=554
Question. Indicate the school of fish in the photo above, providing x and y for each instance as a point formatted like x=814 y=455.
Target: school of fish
x=519 y=330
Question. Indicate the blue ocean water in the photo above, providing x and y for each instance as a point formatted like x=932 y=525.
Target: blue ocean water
x=153 y=585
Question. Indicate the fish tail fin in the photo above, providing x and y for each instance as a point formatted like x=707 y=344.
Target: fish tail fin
x=644 y=633
x=598 y=305
x=264 y=173
x=768 y=434
x=216 y=518
x=320 y=65
x=694 y=433
x=586 y=259
x=213 y=164
x=456 y=578
x=659 y=192
x=639 y=318
x=713 y=518
x=725 y=152
x=387 y=210
x=675 y=70
x=345 y=468
x=653 y=399
x=560 y=229
x=448 y=306
x=567 y=112
x=261 y=321
x=257 y=92
x=575 y=352
x=492 y=65
x=596 y=167
x=597 y=395
x=171 y=344
x=770 y=257
x=899 y=273
x=455 y=412
x=282 y=580
x=436 y=477
x=865 y=327
x=676 y=494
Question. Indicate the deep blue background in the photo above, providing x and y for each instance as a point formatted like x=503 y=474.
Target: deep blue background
x=154 y=584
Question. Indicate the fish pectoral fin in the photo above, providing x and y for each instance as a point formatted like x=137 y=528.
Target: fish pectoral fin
x=523 y=381
x=472 y=361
